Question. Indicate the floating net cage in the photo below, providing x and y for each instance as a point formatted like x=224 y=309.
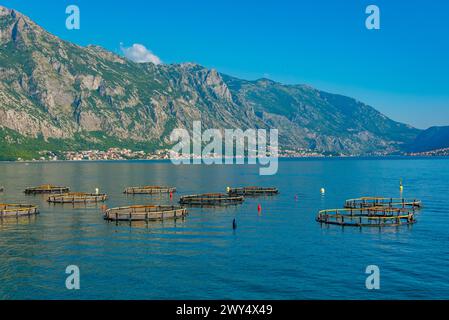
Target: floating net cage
x=46 y=189
x=17 y=210
x=211 y=199
x=367 y=202
x=145 y=213
x=252 y=191
x=149 y=190
x=78 y=197
x=367 y=217
x=372 y=212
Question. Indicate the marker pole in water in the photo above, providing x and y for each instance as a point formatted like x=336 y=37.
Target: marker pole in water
x=234 y=224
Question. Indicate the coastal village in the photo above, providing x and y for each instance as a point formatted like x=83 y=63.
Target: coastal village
x=96 y=155
x=128 y=154
x=162 y=154
x=444 y=152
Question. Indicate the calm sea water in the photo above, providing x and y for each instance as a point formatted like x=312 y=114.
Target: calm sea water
x=281 y=253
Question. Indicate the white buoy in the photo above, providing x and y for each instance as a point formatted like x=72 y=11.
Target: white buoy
x=97 y=191
x=322 y=191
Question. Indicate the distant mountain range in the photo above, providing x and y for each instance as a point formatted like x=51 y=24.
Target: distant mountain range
x=431 y=139
x=55 y=95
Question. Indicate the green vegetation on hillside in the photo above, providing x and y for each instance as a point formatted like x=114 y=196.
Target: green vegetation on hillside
x=14 y=145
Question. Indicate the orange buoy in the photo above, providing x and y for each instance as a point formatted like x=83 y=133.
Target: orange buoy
x=104 y=208
x=259 y=208
x=171 y=195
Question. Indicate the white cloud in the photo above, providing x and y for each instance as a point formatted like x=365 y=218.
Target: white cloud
x=138 y=53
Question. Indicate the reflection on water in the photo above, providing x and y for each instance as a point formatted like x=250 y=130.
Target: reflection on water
x=168 y=223
x=280 y=252
x=15 y=221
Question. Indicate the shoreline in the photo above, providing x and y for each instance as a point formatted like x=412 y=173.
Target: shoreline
x=359 y=157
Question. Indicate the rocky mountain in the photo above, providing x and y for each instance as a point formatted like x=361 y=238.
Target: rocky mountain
x=55 y=95
x=431 y=139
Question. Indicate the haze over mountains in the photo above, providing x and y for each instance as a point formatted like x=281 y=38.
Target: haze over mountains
x=55 y=95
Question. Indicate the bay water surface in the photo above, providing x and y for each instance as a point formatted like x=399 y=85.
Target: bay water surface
x=281 y=253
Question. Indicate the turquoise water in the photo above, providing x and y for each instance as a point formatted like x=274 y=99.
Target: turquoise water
x=281 y=253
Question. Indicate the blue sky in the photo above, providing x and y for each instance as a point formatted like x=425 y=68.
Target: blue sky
x=401 y=69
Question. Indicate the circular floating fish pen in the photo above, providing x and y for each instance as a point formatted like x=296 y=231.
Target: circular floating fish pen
x=210 y=199
x=17 y=210
x=149 y=190
x=145 y=213
x=367 y=217
x=367 y=202
x=252 y=191
x=46 y=189
x=77 y=197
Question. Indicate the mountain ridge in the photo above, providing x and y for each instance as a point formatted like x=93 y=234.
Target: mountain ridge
x=66 y=96
x=433 y=138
